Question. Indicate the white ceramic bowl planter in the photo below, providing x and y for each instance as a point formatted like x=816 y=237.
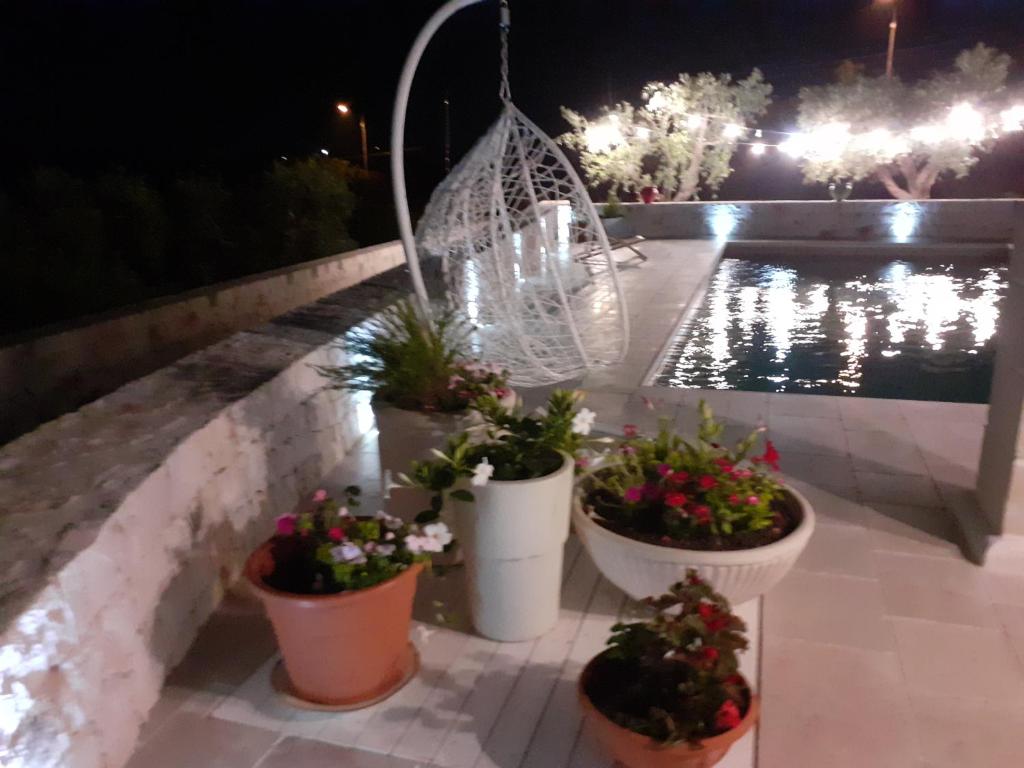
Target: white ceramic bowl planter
x=640 y=569
x=513 y=535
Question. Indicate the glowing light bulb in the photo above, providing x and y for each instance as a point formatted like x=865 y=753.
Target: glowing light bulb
x=966 y=122
x=1013 y=118
x=795 y=145
x=324 y=152
x=757 y=148
x=733 y=131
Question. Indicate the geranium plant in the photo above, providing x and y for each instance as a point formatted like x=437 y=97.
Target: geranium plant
x=326 y=548
x=694 y=494
x=676 y=676
x=504 y=444
x=416 y=365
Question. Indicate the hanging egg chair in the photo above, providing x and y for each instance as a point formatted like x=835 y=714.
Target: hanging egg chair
x=522 y=250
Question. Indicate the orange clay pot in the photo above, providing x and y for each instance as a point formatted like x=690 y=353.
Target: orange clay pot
x=634 y=750
x=342 y=650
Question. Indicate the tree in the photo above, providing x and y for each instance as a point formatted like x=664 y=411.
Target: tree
x=683 y=137
x=904 y=135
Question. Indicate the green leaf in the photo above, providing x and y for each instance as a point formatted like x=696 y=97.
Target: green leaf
x=427 y=516
x=462 y=495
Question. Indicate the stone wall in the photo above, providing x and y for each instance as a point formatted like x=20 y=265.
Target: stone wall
x=121 y=524
x=948 y=221
x=58 y=369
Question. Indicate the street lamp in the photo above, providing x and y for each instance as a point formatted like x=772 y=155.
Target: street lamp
x=893 y=24
x=345 y=110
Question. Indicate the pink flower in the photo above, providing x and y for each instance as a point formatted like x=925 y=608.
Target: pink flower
x=501 y=393
x=742 y=474
x=724 y=464
x=707 y=482
x=652 y=492
x=679 y=477
x=648 y=403
x=634 y=494
x=320 y=495
x=630 y=430
x=753 y=501
x=286 y=525
x=335 y=534
x=582 y=462
x=454 y=381
x=664 y=470
x=628 y=450
x=734 y=500
x=675 y=499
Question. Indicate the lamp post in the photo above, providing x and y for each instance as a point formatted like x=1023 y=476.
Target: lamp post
x=893 y=25
x=345 y=110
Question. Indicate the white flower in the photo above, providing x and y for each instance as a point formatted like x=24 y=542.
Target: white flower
x=583 y=421
x=343 y=512
x=439 y=532
x=417 y=545
x=348 y=553
x=369 y=546
x=389 y=536
x=482 y=472
x=390 y=522
x=385 y=550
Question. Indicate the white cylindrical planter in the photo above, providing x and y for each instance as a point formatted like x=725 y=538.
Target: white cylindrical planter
x=646 y=570
x=407 y=436
x=513 y=536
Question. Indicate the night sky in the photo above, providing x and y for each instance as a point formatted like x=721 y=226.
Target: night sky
x=165 y=87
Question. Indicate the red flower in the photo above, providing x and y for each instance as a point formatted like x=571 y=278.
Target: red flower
x=734 y=500
x=675 y=499
x=664 y=470
x=716 y=624
x=703 y=513
x=724 y=464
x=733 y=680
x=630 y=430
x=679 y=477
x=706 y=610
x=769 y=457
x=707 y=482
x=728 y=715
x=335 y=534
x=710 y=654
x=694 y=580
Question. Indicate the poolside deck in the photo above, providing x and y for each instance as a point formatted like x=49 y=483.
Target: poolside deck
x=884 y=647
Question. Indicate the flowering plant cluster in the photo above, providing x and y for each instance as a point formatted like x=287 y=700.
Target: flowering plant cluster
x=675 y=677
x=327 y=549
x=414 y=364
x=503 y=444
x=671 y=490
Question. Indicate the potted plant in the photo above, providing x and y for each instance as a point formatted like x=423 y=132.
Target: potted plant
x=422 y=382
x=656 y=506
x=667 y=693
x=338 y=589
x=508 y=479
x=613 y=217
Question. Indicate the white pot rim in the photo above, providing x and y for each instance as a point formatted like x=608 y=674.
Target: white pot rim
x=568 y=462
x=797 y=537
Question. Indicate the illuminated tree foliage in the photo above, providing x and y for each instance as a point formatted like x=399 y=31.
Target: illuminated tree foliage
x=682 y=138
x=906 y=135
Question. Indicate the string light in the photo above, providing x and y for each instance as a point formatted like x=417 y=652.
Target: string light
x=733 y=131
x=757 y=148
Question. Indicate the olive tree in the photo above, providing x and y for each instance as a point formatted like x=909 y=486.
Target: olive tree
x=905 y=135
x=681 y=138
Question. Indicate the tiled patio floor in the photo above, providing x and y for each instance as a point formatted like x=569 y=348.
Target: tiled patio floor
x=884 y=647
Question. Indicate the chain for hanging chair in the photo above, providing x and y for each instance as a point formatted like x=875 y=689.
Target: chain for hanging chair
x=524 y=253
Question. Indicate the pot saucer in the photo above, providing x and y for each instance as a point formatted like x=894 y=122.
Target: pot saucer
x=410 y=665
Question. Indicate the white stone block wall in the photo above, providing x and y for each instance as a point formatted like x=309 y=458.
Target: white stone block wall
x=121 y=599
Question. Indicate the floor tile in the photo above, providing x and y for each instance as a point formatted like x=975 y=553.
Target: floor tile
x=957 y=661
x=1005 y=588
x=937 y=589
x=897 y=489
x=885 y=452
x=830 y=506
x=294 y=752
x=821 y=470
x=832 y=707
x=838 y=549
x=803 y=434
x=1011 y=617
x=193 y=741
x=913 y=530
x=817 y=406
x=827 y=608
x=957 y=732
x=871 y=413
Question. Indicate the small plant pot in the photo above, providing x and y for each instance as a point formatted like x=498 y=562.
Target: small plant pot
x=513 y=536
x=649 y=195
x=641 y=569
x=345 y=650
x=634 y=750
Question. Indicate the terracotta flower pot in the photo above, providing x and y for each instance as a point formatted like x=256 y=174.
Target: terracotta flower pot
x=342 y=650
x=649 y=194
x=634 y=750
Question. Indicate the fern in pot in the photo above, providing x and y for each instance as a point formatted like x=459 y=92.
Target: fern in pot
x=421 y=379
x=506 y=482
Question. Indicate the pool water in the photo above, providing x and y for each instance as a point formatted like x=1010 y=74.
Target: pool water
x=917 y=330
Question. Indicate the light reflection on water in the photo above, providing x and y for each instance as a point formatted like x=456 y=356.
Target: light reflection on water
x=915 y=330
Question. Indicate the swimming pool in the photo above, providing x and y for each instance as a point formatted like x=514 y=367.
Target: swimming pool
x=861 y=326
